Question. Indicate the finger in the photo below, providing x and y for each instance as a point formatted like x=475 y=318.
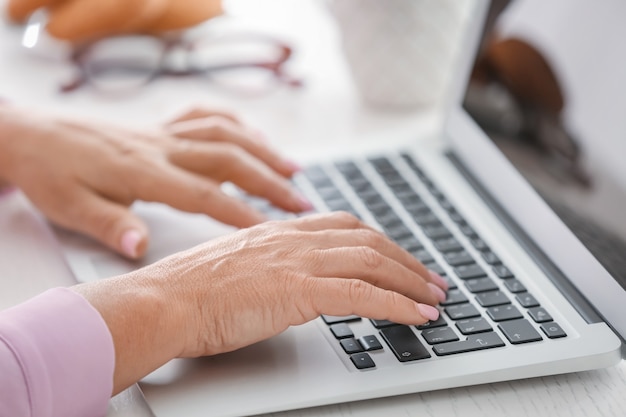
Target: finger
x=226 y=162
x=217 y=129
x=19 y=10
x=325 y=221
x=181 y=14
x=189 y=192
x=369 y=265
x=369 y=238
x=201 y=112
x=106 y=221
x=79 y=20
x=339 y=297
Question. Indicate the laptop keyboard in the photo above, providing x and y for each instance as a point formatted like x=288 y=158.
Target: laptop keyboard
x=483 y=310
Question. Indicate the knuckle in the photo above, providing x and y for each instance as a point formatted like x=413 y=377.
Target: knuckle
x=346 y=218
x=369 y=257
x=371 y=238
x=358 y=291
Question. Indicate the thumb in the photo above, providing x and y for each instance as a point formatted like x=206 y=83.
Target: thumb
x=110 y=223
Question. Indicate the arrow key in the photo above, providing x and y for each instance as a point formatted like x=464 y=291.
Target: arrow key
x=519 y=331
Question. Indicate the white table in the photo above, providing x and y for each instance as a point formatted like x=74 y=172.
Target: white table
x=326 y=113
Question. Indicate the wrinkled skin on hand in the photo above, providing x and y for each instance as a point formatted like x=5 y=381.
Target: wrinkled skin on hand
x=84 y=176
x=254 y=284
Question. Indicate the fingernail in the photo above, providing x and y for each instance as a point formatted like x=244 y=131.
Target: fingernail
x=430 y=312
x=130 y=242
x=261 y=137
x=439 y=293
x=292 y=166
x=439 y=280
x=303 y=203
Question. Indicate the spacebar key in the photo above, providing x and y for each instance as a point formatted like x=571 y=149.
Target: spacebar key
x=404 y=343
x=473 y=342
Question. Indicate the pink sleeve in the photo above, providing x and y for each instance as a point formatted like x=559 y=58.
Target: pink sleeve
x=56 y=358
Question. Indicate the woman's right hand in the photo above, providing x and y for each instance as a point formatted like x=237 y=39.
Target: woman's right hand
x=254 y=284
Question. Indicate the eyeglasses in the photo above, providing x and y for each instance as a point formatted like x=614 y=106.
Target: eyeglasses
x=245 y=63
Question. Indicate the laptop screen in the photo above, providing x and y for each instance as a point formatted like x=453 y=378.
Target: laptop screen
x=548 y=87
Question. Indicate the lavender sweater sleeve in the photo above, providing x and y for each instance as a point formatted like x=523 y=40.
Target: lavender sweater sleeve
x=56 y=358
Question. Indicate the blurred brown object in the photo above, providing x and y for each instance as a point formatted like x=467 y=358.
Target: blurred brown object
x=526 y=75
x=524 y=71
x=82 y=20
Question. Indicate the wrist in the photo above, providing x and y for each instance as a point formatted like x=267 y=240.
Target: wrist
x=138 y=315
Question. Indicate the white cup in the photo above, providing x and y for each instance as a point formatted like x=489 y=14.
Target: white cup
x=400 y=52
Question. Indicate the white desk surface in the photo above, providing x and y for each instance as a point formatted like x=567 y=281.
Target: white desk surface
x=325 y=113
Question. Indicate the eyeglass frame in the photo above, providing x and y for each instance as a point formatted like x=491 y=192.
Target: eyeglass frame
x=79 y=58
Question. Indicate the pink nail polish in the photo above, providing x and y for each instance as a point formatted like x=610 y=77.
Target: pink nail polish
x=439 y=280
x=303 y=203
x=292 y=166
x=429 y=312
x=130 y=242
x=439 y=293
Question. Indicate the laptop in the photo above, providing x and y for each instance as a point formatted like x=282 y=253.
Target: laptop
x=527 y=298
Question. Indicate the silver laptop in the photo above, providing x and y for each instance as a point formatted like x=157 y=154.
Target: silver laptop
x=526 y=297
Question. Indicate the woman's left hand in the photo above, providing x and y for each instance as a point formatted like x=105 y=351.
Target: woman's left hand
x=84 y=176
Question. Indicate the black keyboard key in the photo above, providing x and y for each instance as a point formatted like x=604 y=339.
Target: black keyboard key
x=553 y=330
x=454 y=297
x=514 y=285
x=461 y=311
x=416 y=207
x=503 y=272
x=339 y=205
x=317 y=176
x=477 y=285
x=388 y=219
x=430 y=324
x=341 y=331
x=437 y=232
x=446 y=205
x=398 y=232
x=351 y=345
x=479 y=244
x=473 y=326
x=423 y=256
x=527 y=300
x=370 y=342
x=491 y=258
x=404 y=343
x=330 y=193
x=435 y=267
x=492 y=298
x=502 y=313
x=519 y=331
x=348 y=168
x=428 y=219
x=468 y=231
x=379 y=324
x=469 y=271
x=457 y=218
x=448 y=245
x=362 y=361
x=410 y=243
x=458 y=258
x=439 y=335
x=382 y=164
x=339 y=319
x=539 y=314
x=474 y=342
